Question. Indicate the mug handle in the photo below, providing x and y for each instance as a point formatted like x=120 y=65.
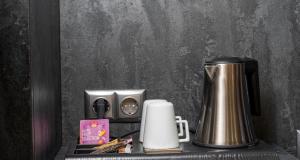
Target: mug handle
x=187 y=133
x=178 y=118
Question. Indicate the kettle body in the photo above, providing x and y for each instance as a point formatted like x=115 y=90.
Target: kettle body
x=230 y=94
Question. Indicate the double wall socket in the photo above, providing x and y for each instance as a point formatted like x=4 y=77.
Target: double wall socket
x=120 y=105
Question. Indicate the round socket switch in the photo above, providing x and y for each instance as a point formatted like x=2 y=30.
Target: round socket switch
x=129 y=106
x=100 y=107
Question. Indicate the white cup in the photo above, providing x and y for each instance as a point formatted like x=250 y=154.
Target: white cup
x=160 y=130
x=145 y=105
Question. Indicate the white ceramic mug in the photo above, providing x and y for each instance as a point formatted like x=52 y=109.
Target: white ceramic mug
x=145 y=105
x=160 y=130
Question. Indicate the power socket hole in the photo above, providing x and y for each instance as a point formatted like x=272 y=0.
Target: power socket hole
x=129 y=106
x=100 y=107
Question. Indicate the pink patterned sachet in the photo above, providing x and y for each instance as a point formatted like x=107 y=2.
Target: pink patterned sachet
x=94 y=131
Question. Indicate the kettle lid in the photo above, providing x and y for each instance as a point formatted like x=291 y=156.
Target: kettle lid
x=224 y=60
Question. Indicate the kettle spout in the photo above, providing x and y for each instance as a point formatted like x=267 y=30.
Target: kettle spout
x=210 y=70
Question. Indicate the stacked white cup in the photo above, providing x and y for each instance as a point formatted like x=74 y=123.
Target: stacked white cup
x=159 y=125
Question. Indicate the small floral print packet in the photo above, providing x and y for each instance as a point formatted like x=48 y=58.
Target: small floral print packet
x=94 y=131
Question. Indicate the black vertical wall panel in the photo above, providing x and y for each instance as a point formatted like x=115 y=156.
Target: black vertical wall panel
x=45 y=77
x=30 y=112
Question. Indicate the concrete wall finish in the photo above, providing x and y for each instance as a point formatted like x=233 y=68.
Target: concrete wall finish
x=160 y=45
x=15 y=104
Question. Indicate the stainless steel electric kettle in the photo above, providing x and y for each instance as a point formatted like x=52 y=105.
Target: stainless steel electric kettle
x=231 y=94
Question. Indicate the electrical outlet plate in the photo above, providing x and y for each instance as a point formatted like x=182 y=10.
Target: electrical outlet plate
x=130 y=104
x=124 y=105
x=90 y=96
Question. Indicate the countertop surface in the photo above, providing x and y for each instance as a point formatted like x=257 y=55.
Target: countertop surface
x=262 y=151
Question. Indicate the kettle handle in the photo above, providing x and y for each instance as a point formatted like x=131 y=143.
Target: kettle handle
x=211 y=70
x=252 y=80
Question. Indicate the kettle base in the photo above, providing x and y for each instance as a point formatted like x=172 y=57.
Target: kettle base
x=227 y=146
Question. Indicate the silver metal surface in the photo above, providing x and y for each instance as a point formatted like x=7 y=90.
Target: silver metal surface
x=126 y=110
x=298 y=144
x=90 y=96
x=123 y=104
x=129 y=106
x=225 y=118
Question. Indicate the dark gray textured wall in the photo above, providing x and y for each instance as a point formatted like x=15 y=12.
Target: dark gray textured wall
x=160 y=45
x=15 y=104
x=30 y=100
